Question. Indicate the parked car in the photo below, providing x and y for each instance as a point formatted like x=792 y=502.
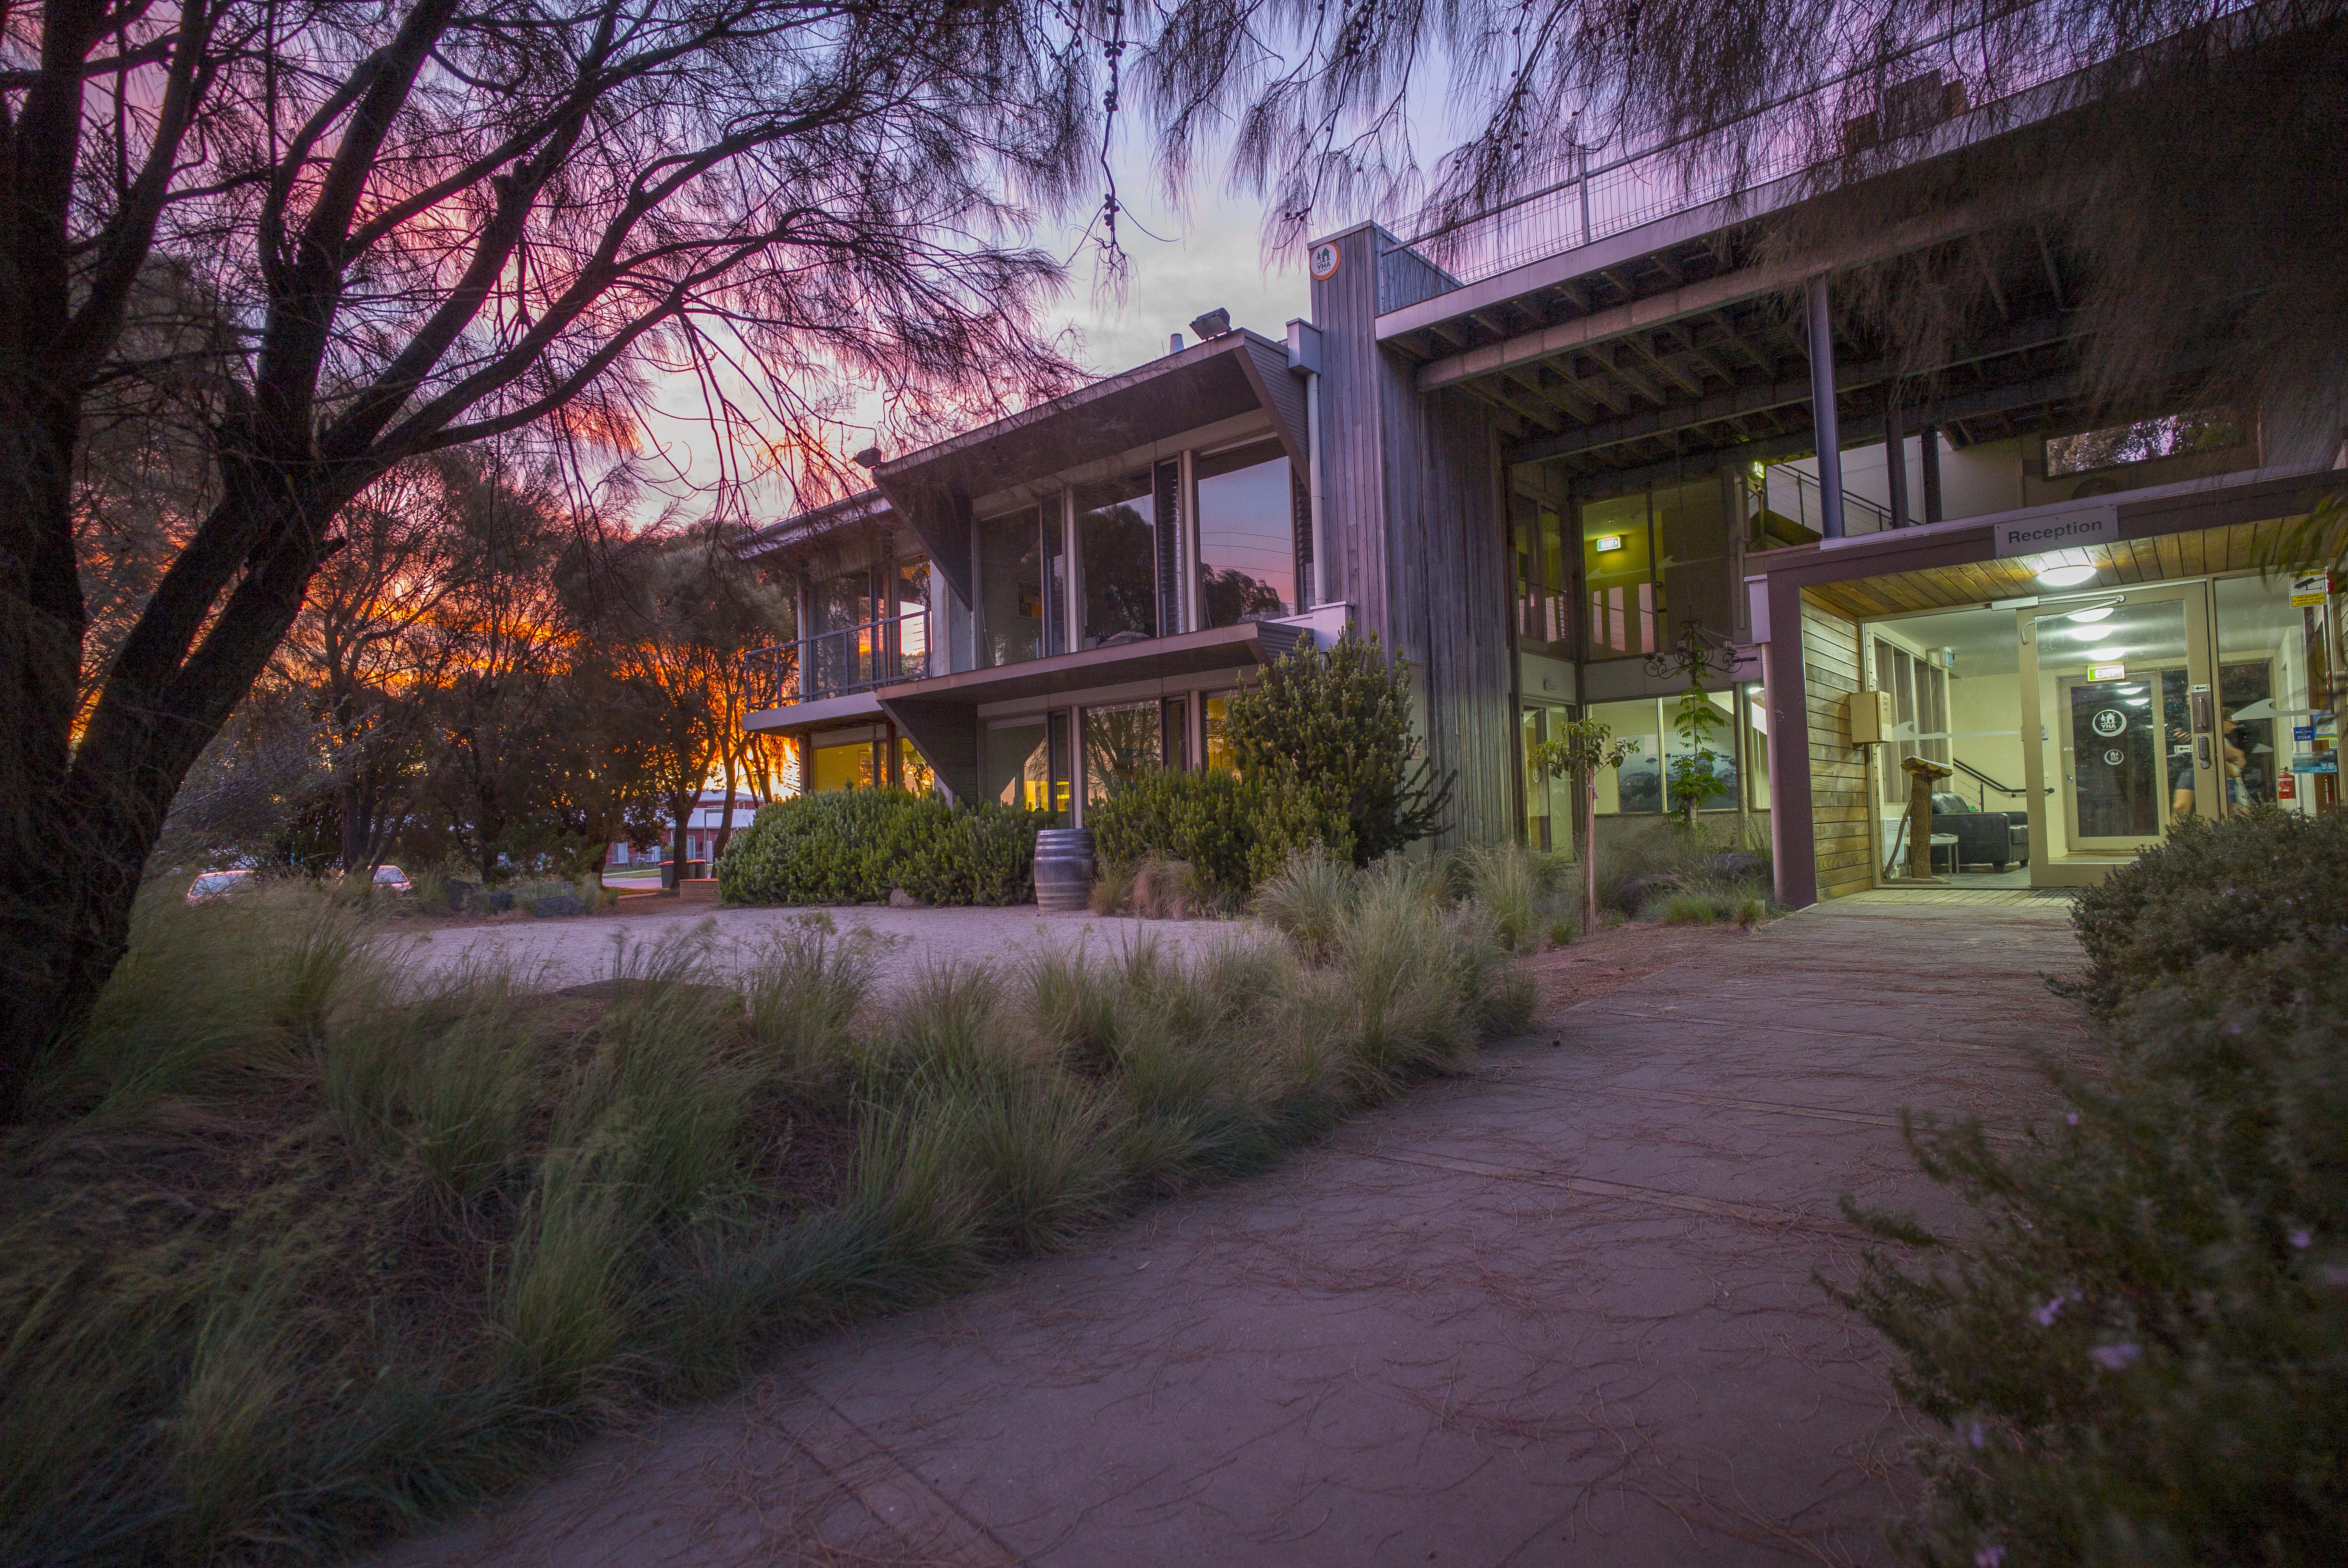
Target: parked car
x=211 y=885
x=392 y=879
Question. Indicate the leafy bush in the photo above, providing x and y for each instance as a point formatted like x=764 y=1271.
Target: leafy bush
x=1326 y=737
x=1202 y=819
x=2239 y=886
x=2137 y=1348
x=857 y=846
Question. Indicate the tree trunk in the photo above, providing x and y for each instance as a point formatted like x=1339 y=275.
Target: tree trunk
x=726 y=814
x=1585 y=787
x=77 y=840
x=680 y=811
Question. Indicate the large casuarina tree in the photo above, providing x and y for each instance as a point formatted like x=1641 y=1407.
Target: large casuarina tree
x=333 y=235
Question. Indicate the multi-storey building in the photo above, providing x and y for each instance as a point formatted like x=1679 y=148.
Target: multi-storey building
x=1609 y=427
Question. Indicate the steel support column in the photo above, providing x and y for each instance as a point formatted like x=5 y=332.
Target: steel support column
x=1929 y=451
x=1895 y=459
x=1827 y=427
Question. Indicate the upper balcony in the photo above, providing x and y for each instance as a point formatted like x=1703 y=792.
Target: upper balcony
x=853 y=659
x=1597 y=207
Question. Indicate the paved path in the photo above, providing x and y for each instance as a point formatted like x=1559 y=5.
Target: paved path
x=579 y=948
x=1560 y=1312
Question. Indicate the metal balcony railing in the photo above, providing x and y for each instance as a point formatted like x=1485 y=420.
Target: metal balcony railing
x=772 y=676
x=1879 y=109
x=853 y=659
x=1796 y=495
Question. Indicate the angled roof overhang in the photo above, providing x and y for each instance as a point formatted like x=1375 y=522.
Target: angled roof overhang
x=1238 y=373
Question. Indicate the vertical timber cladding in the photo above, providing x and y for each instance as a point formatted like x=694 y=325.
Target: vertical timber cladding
x=1839 y=800
x=1412 y=495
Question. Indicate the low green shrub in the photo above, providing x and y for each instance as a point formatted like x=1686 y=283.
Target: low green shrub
x=2239 y=886
x=1201 y=819
x=857 y=846
x=2135 y=1345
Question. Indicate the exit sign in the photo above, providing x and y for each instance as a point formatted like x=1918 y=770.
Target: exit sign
x=2106 y=671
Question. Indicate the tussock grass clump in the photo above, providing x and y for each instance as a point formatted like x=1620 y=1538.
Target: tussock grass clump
x=1311 y=899
x=309 y=1249
x=1709 y=902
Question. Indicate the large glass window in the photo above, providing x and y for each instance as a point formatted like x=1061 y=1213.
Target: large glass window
x=1756 y=750
x=1618 y=566
x=1011 y=583
x=912 y=632
x=1176 y=745
x=1636 y=788
x=1247 y=535
x=1018 y=767
x=1117 y=544
x=1215 y=709
x=1549 y=801
x=842 y=611
x=1119 y=742
x=914 y=770
x=2276 y=692
x=1679 y=741
x=1691 y=533
x=844 y=767
x=1543 y=610
x=1918 y=680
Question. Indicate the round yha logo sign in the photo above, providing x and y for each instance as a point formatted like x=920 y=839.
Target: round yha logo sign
x=2108 y=722
x=1324 y=261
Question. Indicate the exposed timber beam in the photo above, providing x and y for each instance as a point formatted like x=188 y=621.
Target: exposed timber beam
x=1693 y=299
x=1783 y=392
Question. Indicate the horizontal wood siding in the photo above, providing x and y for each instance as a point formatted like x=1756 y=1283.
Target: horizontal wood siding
x=1839 y=802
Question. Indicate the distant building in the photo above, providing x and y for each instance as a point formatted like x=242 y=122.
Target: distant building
x=700 y=832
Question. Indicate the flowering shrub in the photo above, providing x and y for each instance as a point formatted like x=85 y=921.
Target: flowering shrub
x=2141 y=1351
x=2235 y=887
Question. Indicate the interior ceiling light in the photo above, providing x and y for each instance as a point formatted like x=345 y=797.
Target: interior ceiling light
x=2086 y=616
x=2067 y=576
x=2106 y=655
x=2137 y=701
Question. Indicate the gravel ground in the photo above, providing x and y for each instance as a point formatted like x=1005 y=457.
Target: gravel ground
x=576 y=951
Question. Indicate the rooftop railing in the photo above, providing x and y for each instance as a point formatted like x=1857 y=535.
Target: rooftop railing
x=1880 y=110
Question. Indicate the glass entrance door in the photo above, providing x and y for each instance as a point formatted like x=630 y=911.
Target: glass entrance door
x=2118 y=688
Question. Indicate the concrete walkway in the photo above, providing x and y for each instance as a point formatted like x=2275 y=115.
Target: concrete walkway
x=1560 y=1312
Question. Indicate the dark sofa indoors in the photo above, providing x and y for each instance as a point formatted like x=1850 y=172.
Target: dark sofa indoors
x=1984 y=837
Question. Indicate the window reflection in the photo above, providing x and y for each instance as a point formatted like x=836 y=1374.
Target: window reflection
x=1009 y=589
x=1247 y=535
x=1119 y=742
x=1116 y=541
x=1215 y=709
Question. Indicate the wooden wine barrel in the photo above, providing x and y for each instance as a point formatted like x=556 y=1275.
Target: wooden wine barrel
x=1063 y=867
